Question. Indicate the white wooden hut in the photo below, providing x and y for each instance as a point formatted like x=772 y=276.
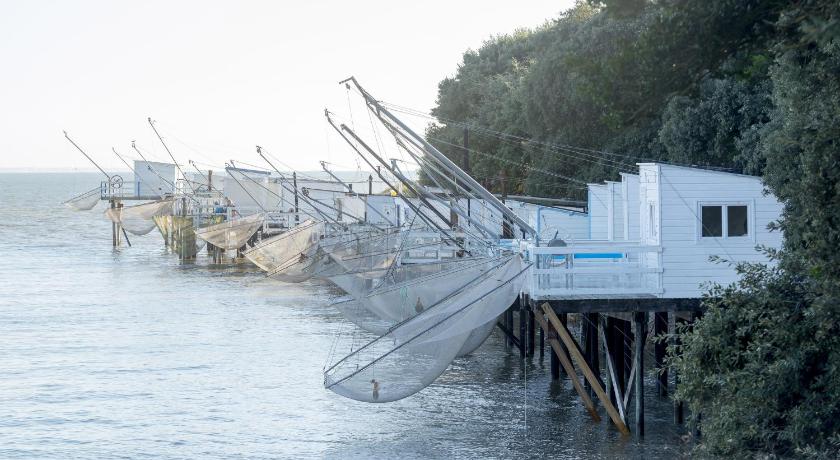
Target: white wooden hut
x=153 y=178
x=674 y=221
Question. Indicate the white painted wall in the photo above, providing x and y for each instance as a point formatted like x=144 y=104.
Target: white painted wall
x=615 y=211
x=630 y=205
x=246 y=190
x=567 y=225
x=599 y=210
x=147 y=183
x=382 y=210
x=677 y=193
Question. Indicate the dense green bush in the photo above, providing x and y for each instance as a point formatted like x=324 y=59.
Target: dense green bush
x=745 y=84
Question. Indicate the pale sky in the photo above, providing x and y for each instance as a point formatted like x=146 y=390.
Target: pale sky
x=222 y=77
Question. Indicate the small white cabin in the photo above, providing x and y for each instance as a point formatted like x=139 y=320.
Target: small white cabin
x=154 y=179
x=247 y=190
x=654 y=235
x=694 y=214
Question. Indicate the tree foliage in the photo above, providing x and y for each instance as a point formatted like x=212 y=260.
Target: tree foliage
x=744 y=84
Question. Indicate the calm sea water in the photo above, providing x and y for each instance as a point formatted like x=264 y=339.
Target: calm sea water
x=129 y=354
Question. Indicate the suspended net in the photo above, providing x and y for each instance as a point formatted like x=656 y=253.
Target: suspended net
x=398 y=301
x=84 y=202
x=366 y=256
x=364 y=316
x=412 y=354
x=232 y=234
x=139 y=219
x=285 y=256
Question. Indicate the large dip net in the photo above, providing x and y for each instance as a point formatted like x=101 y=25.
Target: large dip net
x=85 y=201
x=414 y=352
x=286 y=256
x=139 y=219
x=232 y=234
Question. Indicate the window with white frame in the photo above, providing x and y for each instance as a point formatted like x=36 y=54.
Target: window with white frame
x=724 y=220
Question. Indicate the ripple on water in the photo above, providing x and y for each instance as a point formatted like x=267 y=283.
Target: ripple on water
x=129 y=354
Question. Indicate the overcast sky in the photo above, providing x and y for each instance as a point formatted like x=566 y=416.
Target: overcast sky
x=221 y=77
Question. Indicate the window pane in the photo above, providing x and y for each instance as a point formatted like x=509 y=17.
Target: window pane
x=712 y=220
x=737 y=220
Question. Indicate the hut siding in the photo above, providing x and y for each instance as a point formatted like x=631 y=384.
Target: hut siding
x=630 y=196
x=678 y=193
x=599 y=211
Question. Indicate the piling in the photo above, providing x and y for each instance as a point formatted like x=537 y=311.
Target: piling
x=531 y=331
x=589 y=338
x=660 y=327
x=113 y=205
x=679 y=415
x=639 y=333
x=523 y=330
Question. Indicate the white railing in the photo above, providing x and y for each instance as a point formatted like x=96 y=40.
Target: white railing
x=595 y=270
x=427 y=246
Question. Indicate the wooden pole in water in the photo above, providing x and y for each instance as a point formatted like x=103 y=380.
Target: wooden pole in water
x=590 y=344
x=531 y=331
x=587 y=372
x=678 y=405
x=542 y=343
x=560 y=355
x=639 y=333
x=113 y=225
x=119 y=226
x=294 y=184
x=612 y=387
x=523 y=330
x=660 y=327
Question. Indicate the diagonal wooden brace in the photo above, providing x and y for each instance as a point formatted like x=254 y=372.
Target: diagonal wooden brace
x=570 y=370
x=584 y=367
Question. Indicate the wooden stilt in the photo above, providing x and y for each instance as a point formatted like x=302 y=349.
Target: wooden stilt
x=679 y=417
x=584 y=367
x=615 y=393
x=590 y=344
x=542 y=340
x=531 y=331
x=616 y=344
x=509 y=325
x=660 y=327
x=523 y=331
x=113 y=226
x=639 y=334
x=560 y=354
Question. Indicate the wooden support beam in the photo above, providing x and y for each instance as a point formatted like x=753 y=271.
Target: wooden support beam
x=623 y=305
x=531 y=332
x=616 y=345
x=570 y=370
x=523 y=331
x=660 y=327
x=590 y=344
x=587 y=372
x=509 y=325
x=630 y=383
x=679 y=415
x=542 y=343
x=616 y=389
x=509 y=337
x=639 y=332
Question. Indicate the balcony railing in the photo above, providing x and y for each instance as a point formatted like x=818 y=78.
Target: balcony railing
x=595 y=270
